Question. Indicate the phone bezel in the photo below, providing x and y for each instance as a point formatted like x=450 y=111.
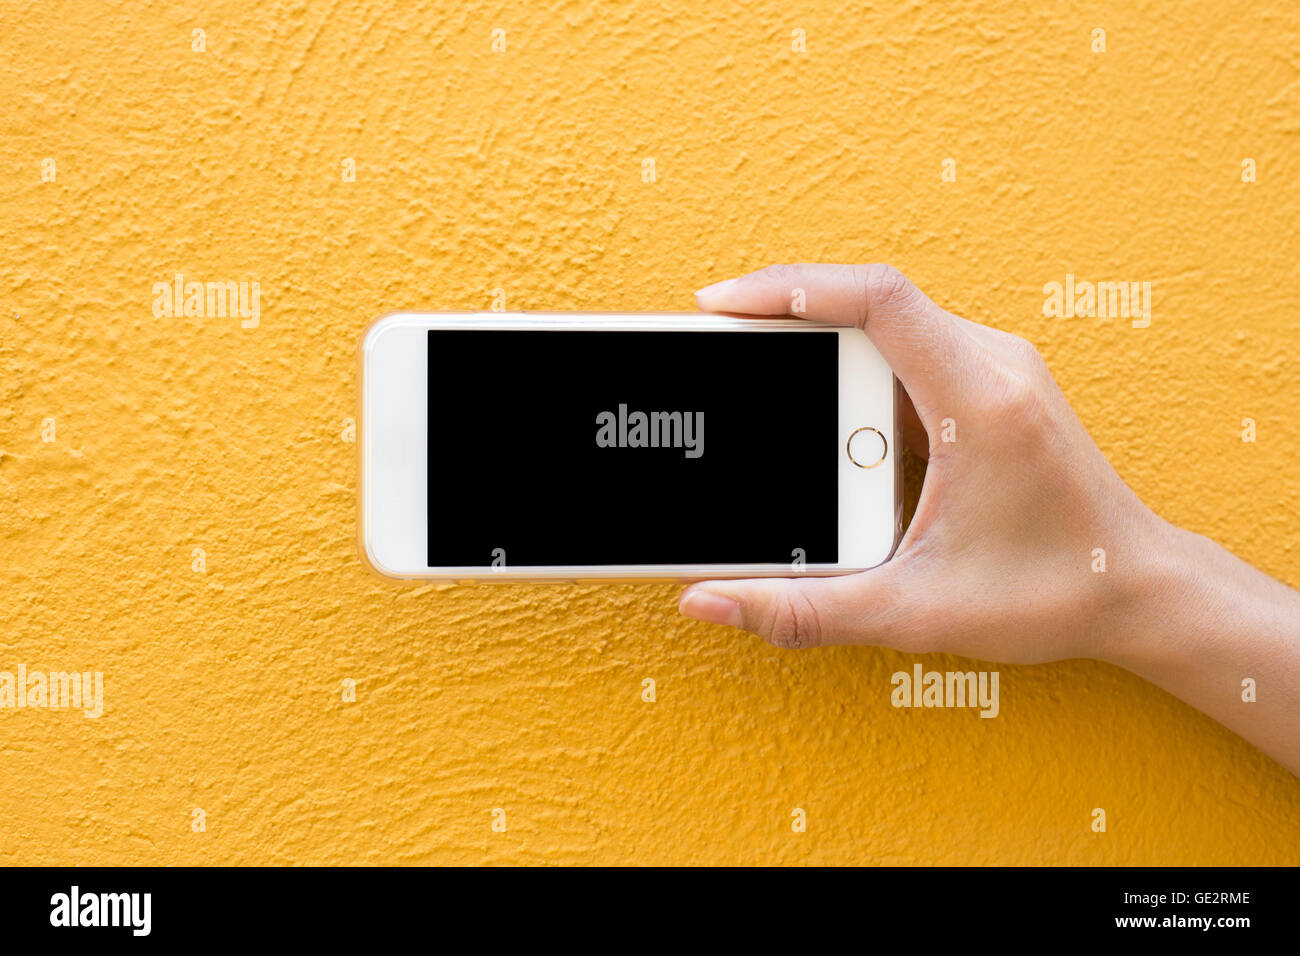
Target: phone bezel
x=393 y=446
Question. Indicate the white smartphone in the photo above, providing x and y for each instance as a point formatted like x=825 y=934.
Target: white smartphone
x=585 y=446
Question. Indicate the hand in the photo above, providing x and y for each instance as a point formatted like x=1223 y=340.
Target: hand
x=1004 y=557
x=1018 y=511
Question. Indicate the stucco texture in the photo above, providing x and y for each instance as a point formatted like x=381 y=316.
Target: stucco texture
x=522 y=170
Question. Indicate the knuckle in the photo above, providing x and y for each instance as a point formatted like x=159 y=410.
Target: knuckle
x=1027 y=353
x=779 y=272
x=793 y=623
x=881 y=285
x=884 y=283
x=1016 y=399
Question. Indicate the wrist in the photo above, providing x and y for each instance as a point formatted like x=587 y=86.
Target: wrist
x=1188 y=598
x=1163 y=599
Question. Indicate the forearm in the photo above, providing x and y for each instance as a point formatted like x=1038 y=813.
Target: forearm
x=1209 y=624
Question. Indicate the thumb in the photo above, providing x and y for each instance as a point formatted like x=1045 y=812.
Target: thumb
x=795 y=612
x=925 y=346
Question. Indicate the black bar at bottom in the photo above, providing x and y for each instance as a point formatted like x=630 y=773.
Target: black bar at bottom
x=337 y=907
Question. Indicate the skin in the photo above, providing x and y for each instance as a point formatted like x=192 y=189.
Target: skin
x=997 y=563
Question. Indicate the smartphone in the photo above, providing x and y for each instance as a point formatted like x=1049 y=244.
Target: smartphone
x=660 y=446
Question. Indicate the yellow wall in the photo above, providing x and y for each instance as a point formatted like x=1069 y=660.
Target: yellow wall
x=522 y=170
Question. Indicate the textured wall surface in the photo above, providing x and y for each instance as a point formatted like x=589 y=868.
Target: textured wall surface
x=128 y=440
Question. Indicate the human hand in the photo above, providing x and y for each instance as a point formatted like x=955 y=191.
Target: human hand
x=1018 y=511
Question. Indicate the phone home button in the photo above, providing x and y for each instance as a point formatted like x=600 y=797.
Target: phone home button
x=867 y=447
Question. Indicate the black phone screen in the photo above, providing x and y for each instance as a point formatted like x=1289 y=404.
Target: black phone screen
x=550 y=448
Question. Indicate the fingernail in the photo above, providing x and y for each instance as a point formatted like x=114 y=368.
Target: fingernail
x=707 y=606
x=717 y=288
